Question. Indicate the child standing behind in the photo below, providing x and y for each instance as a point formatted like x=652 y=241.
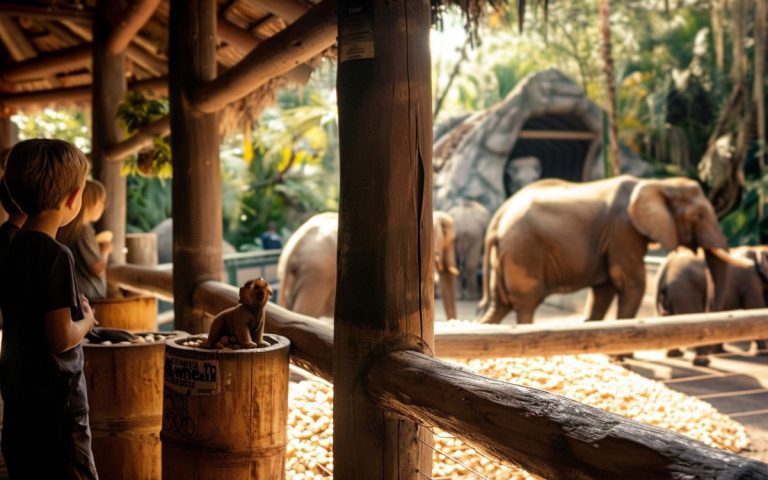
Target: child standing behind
x=45 y=424
x=90 y=256
x=16 y=217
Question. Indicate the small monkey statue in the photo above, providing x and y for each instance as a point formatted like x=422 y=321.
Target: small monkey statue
x=244 y=323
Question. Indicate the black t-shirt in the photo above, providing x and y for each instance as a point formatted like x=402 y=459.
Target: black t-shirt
x=37 y=277
x=7 y=232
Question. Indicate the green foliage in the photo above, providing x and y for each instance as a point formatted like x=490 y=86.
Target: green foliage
x=293 y=172
x=149 y=202
x=135 y=112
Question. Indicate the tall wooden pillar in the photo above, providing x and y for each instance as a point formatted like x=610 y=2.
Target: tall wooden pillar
x=384 y=297
x=197 y=227
x=108 y=91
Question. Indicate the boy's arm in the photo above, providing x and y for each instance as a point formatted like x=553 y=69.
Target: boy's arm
x=62 y=333
x=99 y=267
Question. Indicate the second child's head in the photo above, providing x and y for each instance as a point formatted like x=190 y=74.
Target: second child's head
x=46 y=174
x=94 y=200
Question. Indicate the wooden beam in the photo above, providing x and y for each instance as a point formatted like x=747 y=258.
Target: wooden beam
x=290 y=10
x=548 y=435
x=245 y=42
x=61 y=96
x=131 y=21
x=13 y=9
x=109 y=87
x=381 y=304
x=142 y=279
x=13 y=38
x=302 y=40
x=197 y=221
x=149 y=62
x=41 y=66
x=556 y=135
x=139 y=140
x=608 y=336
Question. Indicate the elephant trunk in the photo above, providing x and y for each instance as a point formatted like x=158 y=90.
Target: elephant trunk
x=718 y=262
x=448 y=292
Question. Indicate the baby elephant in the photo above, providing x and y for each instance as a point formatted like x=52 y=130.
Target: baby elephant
x=244 y=323
x=684 y=285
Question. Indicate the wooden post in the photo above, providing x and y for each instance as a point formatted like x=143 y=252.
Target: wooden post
x=9 y=135
x=197 y=227
x=384 y=297
x=142 y=248
x=108 y=91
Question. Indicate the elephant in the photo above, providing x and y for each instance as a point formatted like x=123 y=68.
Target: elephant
x=307 y=265
x=470 y=219
x=684 y=285
x=555 y=236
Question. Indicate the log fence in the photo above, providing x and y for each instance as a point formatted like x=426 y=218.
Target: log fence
x=542 y=432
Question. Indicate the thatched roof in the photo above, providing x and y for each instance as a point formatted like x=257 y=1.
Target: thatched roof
x=38 y=29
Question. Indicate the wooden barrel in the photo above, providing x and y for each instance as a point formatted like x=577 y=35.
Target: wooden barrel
x=135 y=313
x=142 y=248
x=225 y=412
x=125 y=396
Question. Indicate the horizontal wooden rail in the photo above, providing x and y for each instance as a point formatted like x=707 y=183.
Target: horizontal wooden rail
x=64 y=60
x=300 y=41
x=544 y=433
x=311 y=339
x=608 y=336
x=140 y=139
x=290 y=10
x=15 y=9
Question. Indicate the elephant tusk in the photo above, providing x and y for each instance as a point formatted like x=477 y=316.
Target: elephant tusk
x=723 y=255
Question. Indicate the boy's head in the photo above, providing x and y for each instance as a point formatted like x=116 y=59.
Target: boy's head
x=94 y=199
x=46 y=174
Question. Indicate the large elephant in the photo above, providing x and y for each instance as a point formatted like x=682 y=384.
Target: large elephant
x=555 y=236
x=683 y=285
x=470 y=219
x=307 y=265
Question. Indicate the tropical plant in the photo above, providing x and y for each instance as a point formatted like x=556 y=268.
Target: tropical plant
x=135 y=112
x=70 y=124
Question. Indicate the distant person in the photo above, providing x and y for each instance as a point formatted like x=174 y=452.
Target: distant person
x=45 y=417
x=91 y=251
x=270 y=240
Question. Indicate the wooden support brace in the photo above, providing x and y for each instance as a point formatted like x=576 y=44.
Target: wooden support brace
x=546 y=434
x=13 y=37
x=141 y=139
x=60 y=61
x=139 y=11
x=302 y=40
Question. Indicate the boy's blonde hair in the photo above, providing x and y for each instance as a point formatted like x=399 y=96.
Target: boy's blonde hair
x=41 y=173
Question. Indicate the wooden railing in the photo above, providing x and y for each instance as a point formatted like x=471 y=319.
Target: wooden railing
x=544 y=433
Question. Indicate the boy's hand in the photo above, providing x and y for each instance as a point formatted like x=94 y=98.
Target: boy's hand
x=105 y=247
x=88 y=312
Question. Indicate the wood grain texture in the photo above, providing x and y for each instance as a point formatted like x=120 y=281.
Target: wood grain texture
x=109 y=87
x=142 y=248
x=608 y=336
x=196 y=195
x=239 y=433
x=544 y=433
x=133 y=17
x=44 y=65
x=384 y=296
x=136 y=313
x=125 y=396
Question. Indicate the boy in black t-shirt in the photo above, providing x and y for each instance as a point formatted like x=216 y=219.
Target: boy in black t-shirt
x=45 y=425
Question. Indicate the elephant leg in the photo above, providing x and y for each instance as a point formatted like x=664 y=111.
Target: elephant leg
x=525 y=315
x=311 y=298
x=599 y=300
x=629 y=302
x=472 y=262
x=495 y=313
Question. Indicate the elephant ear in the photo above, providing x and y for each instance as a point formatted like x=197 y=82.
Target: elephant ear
x=650 y=214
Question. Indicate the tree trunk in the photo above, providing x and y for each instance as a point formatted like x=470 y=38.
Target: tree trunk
x=610 y=86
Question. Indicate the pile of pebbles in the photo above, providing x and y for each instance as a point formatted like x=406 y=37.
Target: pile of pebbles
x=591 y=379
x=138 y=338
